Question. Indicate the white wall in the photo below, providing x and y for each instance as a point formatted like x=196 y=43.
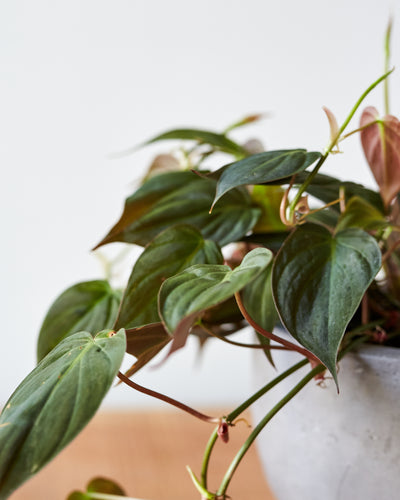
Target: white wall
x=80 y=79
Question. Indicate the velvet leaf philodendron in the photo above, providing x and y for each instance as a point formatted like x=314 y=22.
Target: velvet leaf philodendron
x=54 y=402
x=224 y=247
x=319 y=279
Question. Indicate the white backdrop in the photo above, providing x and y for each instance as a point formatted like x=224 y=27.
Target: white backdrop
x=83 y=78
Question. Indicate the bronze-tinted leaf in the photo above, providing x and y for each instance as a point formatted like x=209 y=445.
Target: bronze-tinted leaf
x=144 y=343
x=381 y=144
x=183 y=198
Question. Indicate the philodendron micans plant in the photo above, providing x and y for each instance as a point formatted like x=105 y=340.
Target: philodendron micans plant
x=328 y=271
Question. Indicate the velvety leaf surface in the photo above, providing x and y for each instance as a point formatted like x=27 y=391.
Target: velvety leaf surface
x=170 y=252
x=263 y=168
x=54 y=402
x=89 y=306
x=381 y=144
x=184 y=297
x=318 y=283
x=218 y=141
x=188 y=202
x=258 y=300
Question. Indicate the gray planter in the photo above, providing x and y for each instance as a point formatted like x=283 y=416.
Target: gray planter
x=334 y=447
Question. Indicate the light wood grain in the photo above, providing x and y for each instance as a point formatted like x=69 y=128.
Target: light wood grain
x=146 y=452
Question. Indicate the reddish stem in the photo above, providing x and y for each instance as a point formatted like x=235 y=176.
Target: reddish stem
x=167 y=399
x=293 y=347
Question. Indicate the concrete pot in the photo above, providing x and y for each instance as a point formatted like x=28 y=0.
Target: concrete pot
x=334 y=447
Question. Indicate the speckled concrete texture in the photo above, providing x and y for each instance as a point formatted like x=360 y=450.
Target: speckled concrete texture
x=325 y=445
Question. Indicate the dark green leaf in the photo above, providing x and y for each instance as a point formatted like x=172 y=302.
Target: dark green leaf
x=187 y=201
x=170 y=252
x=90 y=306
x=326 y=217
x=184 y=297
x=273 y=241
x=54 y=402
x=225 y=312
x=318 y=282
x=264 y=168
x=326 y=189
x=360 y=213
x=258 y=300
x=217 y=141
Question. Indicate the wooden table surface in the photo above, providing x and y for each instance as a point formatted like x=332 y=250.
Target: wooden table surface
x=146 y=452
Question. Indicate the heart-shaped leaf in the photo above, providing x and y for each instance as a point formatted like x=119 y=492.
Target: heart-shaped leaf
x=54 y=402
x=187 y=201
x=184 y=297
x=381 y=144
x=170 y=252
x=319 y=280
x=89 y=306
x=264 y=168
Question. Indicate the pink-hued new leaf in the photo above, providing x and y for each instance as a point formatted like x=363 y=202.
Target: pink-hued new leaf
x=333 y=127
x=381 y=144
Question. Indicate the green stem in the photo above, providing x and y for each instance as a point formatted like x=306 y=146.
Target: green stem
x=240 y=409
x=360 y=129
x=298 y=387
x=332 y=144
x=244 y=406
x=387 y=63
x=207 y=455
x=303 y=382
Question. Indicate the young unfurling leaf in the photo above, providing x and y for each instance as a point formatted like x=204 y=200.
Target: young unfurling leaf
x=381 y=144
